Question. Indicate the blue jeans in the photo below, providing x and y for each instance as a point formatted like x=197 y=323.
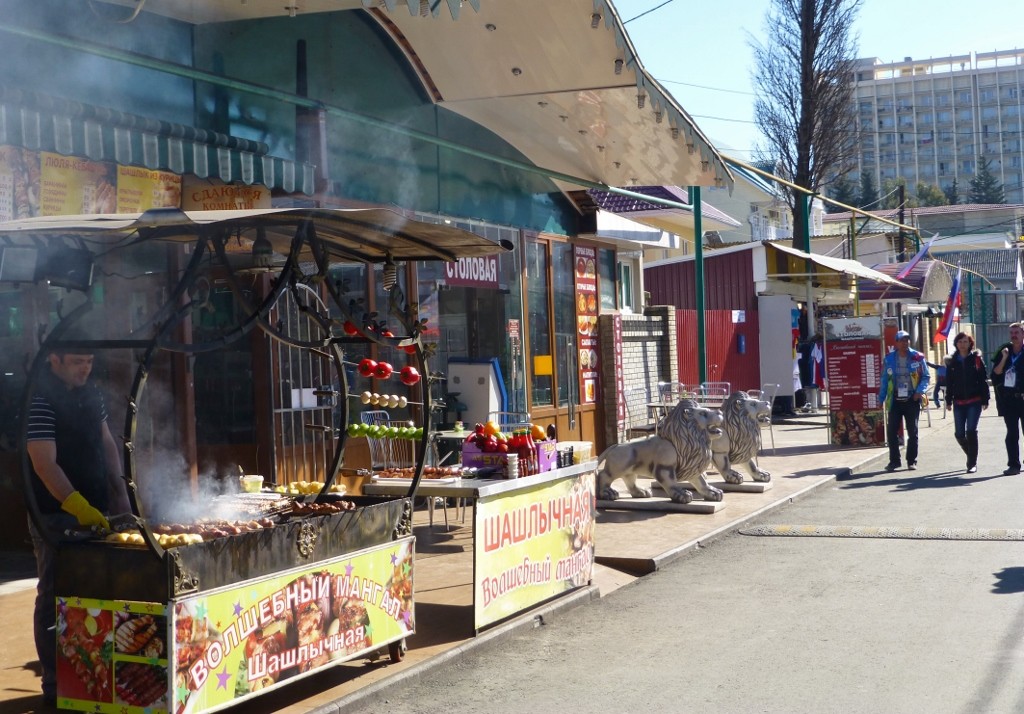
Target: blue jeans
x=965 y=418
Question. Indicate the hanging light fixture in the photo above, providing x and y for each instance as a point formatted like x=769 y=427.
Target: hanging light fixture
x=389 y=276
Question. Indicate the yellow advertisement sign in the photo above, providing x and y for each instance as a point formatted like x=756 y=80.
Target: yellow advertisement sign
x=140 y=189
x=238 y=642
x=212 y=195
x=221 y=647
x=19 y=183
x=70 y=186
x=533 y=545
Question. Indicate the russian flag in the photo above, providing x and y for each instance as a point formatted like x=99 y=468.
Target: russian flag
x=916 y=259
x=949 y=313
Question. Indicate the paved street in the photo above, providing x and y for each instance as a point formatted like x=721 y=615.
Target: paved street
x=790 y=624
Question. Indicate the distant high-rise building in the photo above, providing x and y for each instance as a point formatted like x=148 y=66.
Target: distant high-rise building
x=936 y=121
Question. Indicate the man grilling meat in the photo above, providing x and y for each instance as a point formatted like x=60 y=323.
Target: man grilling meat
x=78 y=478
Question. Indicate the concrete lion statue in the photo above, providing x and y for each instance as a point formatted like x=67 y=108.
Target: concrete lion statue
x=679 y=454
x=739 y=444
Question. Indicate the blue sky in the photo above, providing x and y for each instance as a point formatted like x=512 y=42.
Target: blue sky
x=700 y=51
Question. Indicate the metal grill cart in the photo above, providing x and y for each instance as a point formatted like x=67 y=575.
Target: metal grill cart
x=204 y=596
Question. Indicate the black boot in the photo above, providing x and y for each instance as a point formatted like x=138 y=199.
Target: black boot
x=972 y=451
x=962 y=440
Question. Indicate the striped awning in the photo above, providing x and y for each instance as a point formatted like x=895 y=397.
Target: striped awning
x=42 y=123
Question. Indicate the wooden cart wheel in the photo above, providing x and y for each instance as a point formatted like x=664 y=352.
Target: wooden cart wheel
x=397 y=650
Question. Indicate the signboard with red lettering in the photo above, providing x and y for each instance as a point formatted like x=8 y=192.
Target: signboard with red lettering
x=853 y=363
x=206 y=652
x=532 y=545
x=481 y=272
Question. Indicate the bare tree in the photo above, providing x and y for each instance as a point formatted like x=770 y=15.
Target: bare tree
x=805 y=102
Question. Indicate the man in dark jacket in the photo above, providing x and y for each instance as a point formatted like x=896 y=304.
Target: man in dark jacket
x=1008 y=374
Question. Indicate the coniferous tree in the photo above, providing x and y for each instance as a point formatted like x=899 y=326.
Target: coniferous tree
x=985 y=187
x=952 y=192
x=844 y=191
x=868 y=192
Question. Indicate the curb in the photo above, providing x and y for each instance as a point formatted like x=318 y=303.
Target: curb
x=377 y=692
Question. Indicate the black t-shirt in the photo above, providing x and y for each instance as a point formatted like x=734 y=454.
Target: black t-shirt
x=73 y=419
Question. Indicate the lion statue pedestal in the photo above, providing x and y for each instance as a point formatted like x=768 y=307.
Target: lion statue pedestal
x=677 y=457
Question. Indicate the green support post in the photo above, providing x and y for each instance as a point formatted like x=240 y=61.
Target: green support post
x=698 y=283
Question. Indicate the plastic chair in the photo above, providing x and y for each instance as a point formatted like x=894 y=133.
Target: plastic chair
x=674 y=392
x=713 y=394
x=638 y=420
x=768 y=392
x=389 y=453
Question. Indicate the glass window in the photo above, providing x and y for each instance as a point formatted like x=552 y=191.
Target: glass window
x=537 y=282
x=606 y=278
x=567 y=370
x=626 y=287
x=469 y=314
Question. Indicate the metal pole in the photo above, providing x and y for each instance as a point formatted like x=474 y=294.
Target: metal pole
x=805 y=241
x=698 y=272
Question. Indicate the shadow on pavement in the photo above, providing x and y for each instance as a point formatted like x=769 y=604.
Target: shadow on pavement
x=946 y=479
x=1009 y=581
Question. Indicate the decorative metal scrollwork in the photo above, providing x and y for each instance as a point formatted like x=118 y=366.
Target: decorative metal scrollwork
x=306 y=539
x=404 y=525
x=185 y=582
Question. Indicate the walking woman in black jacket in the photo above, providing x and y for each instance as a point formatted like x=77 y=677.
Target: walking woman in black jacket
x=967 y=394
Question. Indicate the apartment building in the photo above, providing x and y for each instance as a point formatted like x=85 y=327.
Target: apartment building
x=936 y=120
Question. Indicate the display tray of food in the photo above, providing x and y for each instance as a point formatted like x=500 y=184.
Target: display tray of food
x=209 y=552
x=429 y=472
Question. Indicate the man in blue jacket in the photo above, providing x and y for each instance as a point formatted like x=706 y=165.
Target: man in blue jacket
x=904 y=385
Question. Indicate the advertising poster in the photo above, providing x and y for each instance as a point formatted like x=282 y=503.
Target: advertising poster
x=112 y=656
x=532 y=546
x=70 y=186
x=139 y=189
x=19 y=183
x=213 y=195
x=853 y=363
x=217 y=648
x=585 y=259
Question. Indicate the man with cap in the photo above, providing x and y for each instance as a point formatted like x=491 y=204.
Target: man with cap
x=78 y=478
x=904 y=386
x=1008 y=379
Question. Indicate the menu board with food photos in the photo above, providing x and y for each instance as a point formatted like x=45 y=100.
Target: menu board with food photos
x=71 y=186
x=853 y=363
x=585 y=259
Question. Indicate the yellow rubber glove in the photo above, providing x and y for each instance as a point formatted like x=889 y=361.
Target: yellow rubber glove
x=77 y=506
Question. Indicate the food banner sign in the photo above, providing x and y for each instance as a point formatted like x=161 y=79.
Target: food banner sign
x=112 y=656
x=853 y=363
x=19 y=183
x=246 y=639
x=232 y=643
x=585 y=260
x=140 y=189
x=70 y=186
x=532 y=546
